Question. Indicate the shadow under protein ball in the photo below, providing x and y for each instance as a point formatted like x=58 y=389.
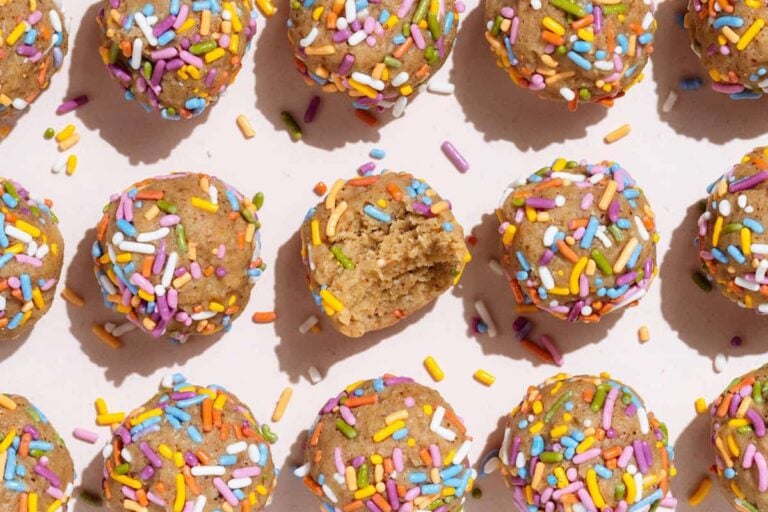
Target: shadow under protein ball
x=702 y=114
x=481 y=282
x=140 y=354
x=704 y=321
x=143 y=137
x=498 y=108
x=294 y=304
x=280 y=87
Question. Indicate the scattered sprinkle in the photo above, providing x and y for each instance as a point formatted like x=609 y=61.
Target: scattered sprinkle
x=71 y=164
x=700 y=405
x=736 y=341
x=702 y=281
x=72 y=297
x=245 y=126
x=264 y=317
x=73 y=104
x=617 y=134
x=690 y=84
x=282 y=404
x=454 y=156
x=549 y=344
x=485 y=316
x=314 y=375
x=484 y=377
x=721 y=360
x=496 y=266
x=106 y=337
x=49 y=133
x=643 y=334
x=366 y=117
x=436 y=87
x=701 y=492
x=320 y=188
x=85 y=435
x=311 y=111
x=377 y=153
x=669 y=103
x=434 y=369
x=294 y=130
x=308 y=324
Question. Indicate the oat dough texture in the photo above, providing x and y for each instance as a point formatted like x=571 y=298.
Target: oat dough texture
x=35 y=463
x=178 y=254
x=388 y=444
x=589 y=441
x=732 y=244
x=378 y=52
x=732 y=45
x=738 y=441
x=578 y=240
x=33 y=254
x=35 y=42
x=175 y=56
x=378 y=249
x=572 y=50
x=226 y=462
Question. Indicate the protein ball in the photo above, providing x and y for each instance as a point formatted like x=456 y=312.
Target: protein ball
x=575 y=51
x=34 y=460
x=35 y=42
x=178 y=254
x=175 y=56
x=388 y=444
x=192 y=448
x=738 y=440
x=380 y=248
x=586 y=443
x=732 y=244
x=730 y=42
x=578 y=240
x=33 y=254
x=379 y=52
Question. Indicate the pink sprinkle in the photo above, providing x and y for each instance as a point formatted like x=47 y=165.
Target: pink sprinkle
x=70 y=105
x=85 y=435
x=418 y=37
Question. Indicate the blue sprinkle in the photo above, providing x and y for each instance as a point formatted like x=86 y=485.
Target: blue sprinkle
x=377 y=214
x=194 y=434
x=26 y=287
x=736 y=254
x=589 y=233
x=126 y=227
x=728 y=21
x=753 y=226
x=377 y=153
x=228 y=460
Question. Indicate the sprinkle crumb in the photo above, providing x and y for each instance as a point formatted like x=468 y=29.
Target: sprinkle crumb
x=617 y=134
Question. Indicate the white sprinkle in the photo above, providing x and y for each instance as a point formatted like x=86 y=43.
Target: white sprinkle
x=440 y=87
x=357 y=38
x=203 y=315
x=237 y=447
x=329 y=494
x=762 y=268
x=600 y=234
x=170 y=267
x=309 y=38
x=491 y=465
x=138 y=46
x=559 y=200
x=117 y=238
x=167 y=381
x=567 y=94
x=314 y=375
x=604 y=65
x=496 y=266
x=200 y=501
x=239 y=483
x=253 y=453
x=446 y=433
x=669 y=103
x=42 y=251
x=400 y=79
x=549 y=236
x=60 y=164
x=641 y=228
x=53 y=15
x=536 y=4
x=144 y=25
x=308 y=324
x=759 y=248
x=19 y=104
x=437 y=418
x=724 y=207
x=569 y=176
x=547 y=281
x=123 y=329
x=126 y=455
x=342 y=24
x=504 y=451
x=720 y=362
x=647 y=21
x=398 y=109
x=151 y=236
x=18 y=234
x=107 y=451
x=742 y=201
x=137 y=247
x=485 y=316
x=301 y=471
x=747 y=285
x=462 y=452
x=350 y=10
x=208 y=470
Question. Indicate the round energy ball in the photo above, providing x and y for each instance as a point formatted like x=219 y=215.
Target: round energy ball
x=732 y=244
x=572 y=50
x=33 y=254
x=586 y=443
x=379 y=52
x=388 y=444
x=178 y=254
x=35 y=42
x=380 y=248
x=175 y=56
x=578 y=240
x=34 y=460
x=738 y=440
x=189 y=447
x=730 y=42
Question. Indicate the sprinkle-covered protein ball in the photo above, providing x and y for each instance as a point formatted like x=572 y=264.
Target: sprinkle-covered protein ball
x=33 y=254
x=577 y=51
x=189 y=448
x=33 y=43
x=380 y=248
x=578 y=240
x=178 y=254
x=738 y=441
x=586 y=443
x=35 y=464
x=388 y=444
x=729 y=39
x=175 y=56
x=732 y=244
x=377 y=52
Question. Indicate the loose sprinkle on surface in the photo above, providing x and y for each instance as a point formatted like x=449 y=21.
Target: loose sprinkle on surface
x=617 y=134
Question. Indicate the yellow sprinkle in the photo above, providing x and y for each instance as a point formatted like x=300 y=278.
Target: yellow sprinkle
x=32 y=502
x=245 y=126
x=107 y=419
x=16 y=33
x=617 y=134
x=37 y=298
x=282 y=404
x=53 y=507
x=181 y=494
x=558 y=431
x=205 y=23
x=7 y=440
x=509 y=234
x=485 y=377
x=65 y=133
x=701 y=492
x=400 y=415
x=607 y=197
x=152 y=413
x=750 y=34
x=643 y=334
x=578 y=268
x=71 y=165
x=7 y=403
x=716 y=230
x=365 y=492
x=204 y=205
x=387 y=431
x=315 y=229
x=69 y=142
x=629 y=482
x=331 y=300
x=746 y=241
x=701 y=406
x=126 y=480
x=434 y=369
x=553 y=26
x=594 y=489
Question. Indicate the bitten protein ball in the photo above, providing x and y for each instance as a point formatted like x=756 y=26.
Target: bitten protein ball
x=189 y=448
x=572 y=50
x=380 y=248
x=388 y=444
x=36 y=465
x=732 y=244
x=178 y=254
x=586 y=443
x=34 y=43
x=730 y=41
x=379 y=52
x=738 y=440
x=578 y=240
x=176 y=56
x=30 y=266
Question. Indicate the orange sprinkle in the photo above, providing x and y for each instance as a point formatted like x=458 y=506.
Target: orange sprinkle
x=264 y=317
x=366 y=117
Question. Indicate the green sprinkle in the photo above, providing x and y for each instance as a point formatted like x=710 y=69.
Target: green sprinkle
x=343 y=259
x=30 y=410
x=731 y=228
x=600 y=396
x=166 y=207
x=434 y=25
x=561 y=50
x=362 y=476
x=268 y=435
x=619 y=491
x=406 y=30
x=122 y=469
x=615 y=9
x=346 y=429
x=392 y=62
x=569 y=7
x=421 y=11
x=702 y=281
x=258 y=200
x=201 y=48
x=49 y=133
x=585 y=94
x=181 y=238
x=757 y=392
x=562 y=399
x=431 y=55
x=246 y=214
x=90 y=498
x=602 y=262
x=291 y=125
x=496 y=28
x=114 y=53
x=550 y=457
x=147 y=70
x=615 y=231
x=11 y=189
x=477 y=493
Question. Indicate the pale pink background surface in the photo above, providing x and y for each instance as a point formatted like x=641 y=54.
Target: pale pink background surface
x=503 y=132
